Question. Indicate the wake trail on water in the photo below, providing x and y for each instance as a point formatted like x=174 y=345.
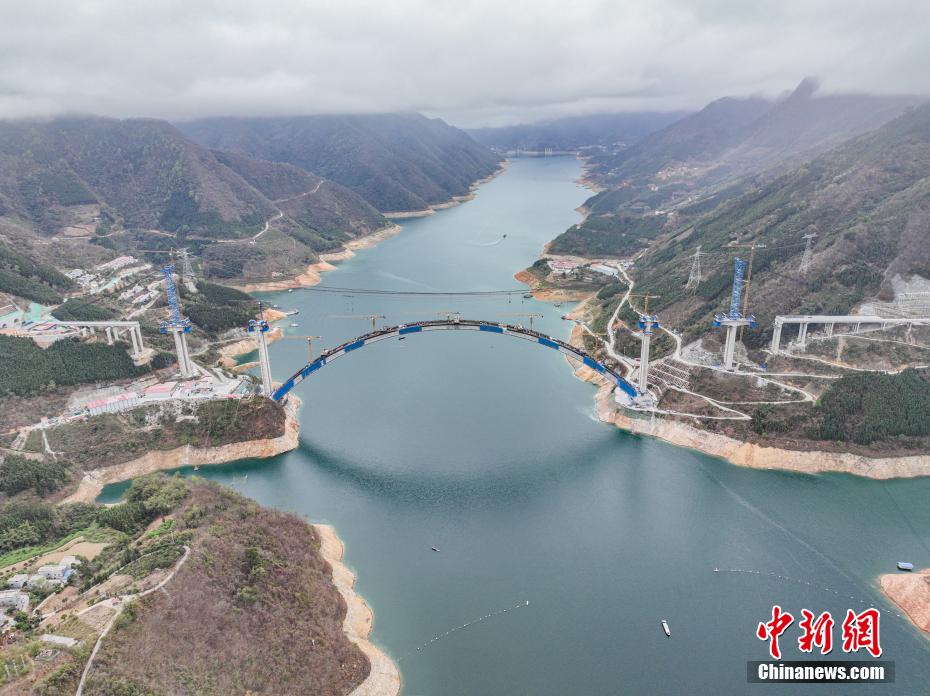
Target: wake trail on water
x=780 y=527
x=404 y=279
x=490 y=244
x=440 y=636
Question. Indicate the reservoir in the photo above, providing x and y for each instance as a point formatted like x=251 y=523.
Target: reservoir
x=487 y=448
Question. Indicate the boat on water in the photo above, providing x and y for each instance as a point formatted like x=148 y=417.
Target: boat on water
x=528 y=296
x=904 y=565
x=292 y=312
x=401 y=338
x=434 y=549
x=294 y=326
x=668 y=631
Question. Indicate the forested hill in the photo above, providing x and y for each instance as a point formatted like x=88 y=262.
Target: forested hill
x=142 y=174
x=868 y=201
x=97 y=184
x=738 y=136
x=396 y=162
x=730 y=147
x=577 y=132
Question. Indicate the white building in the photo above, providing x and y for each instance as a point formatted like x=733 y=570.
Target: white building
x=160 y=391
x=116 y=264
x=14 y=599
x=562 y=267
x=144 y=297
x=63 y=641
x=55 y=573
x=602 y=268
x=18 y=581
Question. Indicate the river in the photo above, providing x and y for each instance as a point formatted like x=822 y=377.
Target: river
x=488 y=449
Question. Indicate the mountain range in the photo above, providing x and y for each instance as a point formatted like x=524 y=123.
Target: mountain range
x=396 y=162
x=868 y=202
x=73 y=188
x=729 y=148
x=577 y=132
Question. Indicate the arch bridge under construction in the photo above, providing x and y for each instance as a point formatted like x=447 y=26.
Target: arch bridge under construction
x=454 y=324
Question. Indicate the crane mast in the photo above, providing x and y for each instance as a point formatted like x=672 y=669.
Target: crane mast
x=177 y=325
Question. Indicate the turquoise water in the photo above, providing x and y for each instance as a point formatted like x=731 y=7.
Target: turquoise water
x=487 y=448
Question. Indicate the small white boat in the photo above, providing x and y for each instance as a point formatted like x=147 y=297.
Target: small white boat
x=668 y=631
x=290 y=289
x=904 y=565
x=434 y=549
x=294 y=325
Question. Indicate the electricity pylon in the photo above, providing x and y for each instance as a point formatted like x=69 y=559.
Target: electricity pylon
x=808 y=253
x=695 y=276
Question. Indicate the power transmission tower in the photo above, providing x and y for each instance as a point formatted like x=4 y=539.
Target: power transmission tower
x=808 y=253
x=695 y=277
x=187 y=272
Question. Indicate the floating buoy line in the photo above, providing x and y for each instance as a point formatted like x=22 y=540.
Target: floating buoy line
x=440 y=636
x=798 y=581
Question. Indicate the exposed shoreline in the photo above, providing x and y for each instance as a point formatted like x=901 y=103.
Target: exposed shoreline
x=454 y=201
x=737 y=452
x=384 y=677
x=910 y=592
x=91 y=485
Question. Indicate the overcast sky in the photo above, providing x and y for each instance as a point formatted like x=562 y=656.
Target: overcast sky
x=473 y=62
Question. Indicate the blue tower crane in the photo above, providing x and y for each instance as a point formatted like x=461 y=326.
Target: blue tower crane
x=734 y=318
x=177 y=325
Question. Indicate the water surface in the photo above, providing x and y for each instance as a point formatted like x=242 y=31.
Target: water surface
x=487 y=448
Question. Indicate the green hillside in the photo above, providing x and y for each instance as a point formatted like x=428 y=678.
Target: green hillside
x=869 y=203
x=672 y=177
x=394 y=161
x=95 y=184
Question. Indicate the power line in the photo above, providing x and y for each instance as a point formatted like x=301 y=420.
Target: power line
x=430 y=293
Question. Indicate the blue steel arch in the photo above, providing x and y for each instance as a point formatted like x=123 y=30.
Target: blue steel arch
x=456 y=324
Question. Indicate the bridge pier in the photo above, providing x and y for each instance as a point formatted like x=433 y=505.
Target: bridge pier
x=259 y=327
x=184 y=357
x=776 y=338
x=647 y=324
x=729 y=347
x=136 y=340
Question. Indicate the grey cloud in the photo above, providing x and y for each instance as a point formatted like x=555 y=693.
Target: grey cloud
x=474 y=63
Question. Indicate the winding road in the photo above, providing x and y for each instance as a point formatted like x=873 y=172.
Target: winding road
x=119 y=610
